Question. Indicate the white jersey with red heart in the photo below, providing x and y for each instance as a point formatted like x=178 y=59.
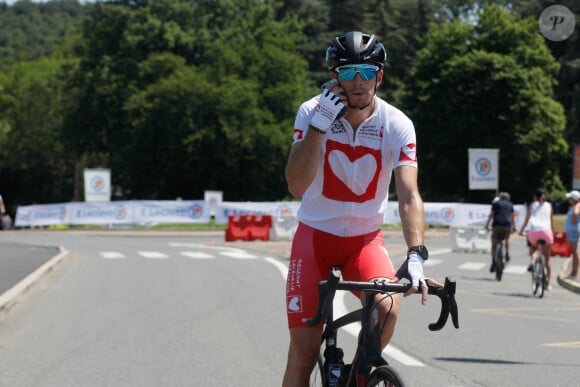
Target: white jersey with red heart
x=349 y=194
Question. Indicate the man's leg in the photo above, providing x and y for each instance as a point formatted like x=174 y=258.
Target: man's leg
x=575 y=258
x=302 y=286
x=302 y=356
x=389 y=310
x=494 y=242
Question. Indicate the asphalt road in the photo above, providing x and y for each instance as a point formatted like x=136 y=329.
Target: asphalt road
x=163 y=309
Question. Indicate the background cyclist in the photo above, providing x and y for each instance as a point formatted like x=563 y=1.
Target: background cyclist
x=502 y=219
x=342 y=170
x=539 y=224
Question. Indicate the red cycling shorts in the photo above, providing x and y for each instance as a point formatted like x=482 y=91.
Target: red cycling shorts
x=314 y=253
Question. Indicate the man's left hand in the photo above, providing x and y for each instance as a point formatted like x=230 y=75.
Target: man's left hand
x=412 y=269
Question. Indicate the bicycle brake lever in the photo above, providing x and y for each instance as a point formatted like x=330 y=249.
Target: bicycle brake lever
x=451 y=285
x=453 y=306
x=326 y=290
x=322 y=294
x=448 y=305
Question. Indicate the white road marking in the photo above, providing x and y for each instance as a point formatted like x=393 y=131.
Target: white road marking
x=227 y=251
x=279 y=265
x=472 y=266
x=111 y=255
x=197 y=255
x=515 y=269
x=153 y=254
x=238 y=254
x=439 y=252
x=433 y=262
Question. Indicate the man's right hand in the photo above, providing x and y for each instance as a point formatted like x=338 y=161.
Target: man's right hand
x=329 y=107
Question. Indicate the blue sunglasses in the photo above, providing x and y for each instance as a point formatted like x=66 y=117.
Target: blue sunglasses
x=367 y=72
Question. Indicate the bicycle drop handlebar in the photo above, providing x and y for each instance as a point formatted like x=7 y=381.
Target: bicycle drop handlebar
x=327 y=289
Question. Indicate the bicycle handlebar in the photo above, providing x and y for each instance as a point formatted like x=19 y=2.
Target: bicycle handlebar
x=327 y=289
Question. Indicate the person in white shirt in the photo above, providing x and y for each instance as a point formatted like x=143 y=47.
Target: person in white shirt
x=348 y=143
x=539 y=224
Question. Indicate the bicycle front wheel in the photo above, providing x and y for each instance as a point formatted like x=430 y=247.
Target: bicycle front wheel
x=539 y=277
x=385 y=376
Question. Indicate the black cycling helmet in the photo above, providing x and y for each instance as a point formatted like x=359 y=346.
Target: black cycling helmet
x=353 y=48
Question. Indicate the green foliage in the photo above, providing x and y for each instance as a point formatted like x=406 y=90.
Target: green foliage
x=32 y=157
x=487 y=86
x=198 y=81
x=179 y=96
x=31 y=30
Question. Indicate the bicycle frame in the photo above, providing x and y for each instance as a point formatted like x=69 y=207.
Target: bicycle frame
x=369 y=348
x=539 y=272
x=369 y=351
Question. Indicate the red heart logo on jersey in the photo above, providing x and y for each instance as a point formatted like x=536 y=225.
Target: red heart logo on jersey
x=351 y=174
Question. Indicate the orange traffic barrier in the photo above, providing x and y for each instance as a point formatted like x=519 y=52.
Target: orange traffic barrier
x=560 y=246
x=260 y=228
x=248 y=227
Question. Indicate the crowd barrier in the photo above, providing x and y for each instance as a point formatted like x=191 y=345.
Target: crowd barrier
x=470 y=239
x=283 y=228
x=248 y=227
x=478 y=239
x=153 y=212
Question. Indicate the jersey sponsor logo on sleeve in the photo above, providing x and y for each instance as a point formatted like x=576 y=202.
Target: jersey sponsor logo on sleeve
x=298 y=134
x=351 y=174
x=408 y=153
x=294 y=304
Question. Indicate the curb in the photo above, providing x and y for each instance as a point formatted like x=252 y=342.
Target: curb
x=10 y=297
x=564 y=282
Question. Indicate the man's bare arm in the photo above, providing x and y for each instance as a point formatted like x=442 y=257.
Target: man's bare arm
x=411 y=207
x=303 y=162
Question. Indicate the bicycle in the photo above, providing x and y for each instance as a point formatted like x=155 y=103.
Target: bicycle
x=539 y=272
x=369 y=368
x=500 y=256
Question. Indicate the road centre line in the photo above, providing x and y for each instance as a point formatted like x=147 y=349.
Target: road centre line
x=569 y=344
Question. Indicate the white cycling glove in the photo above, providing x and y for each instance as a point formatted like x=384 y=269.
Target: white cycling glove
x=412 y=269
x=329 y=107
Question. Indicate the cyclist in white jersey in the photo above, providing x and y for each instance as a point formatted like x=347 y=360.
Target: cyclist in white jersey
x=539 y=224
x=347 y=144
